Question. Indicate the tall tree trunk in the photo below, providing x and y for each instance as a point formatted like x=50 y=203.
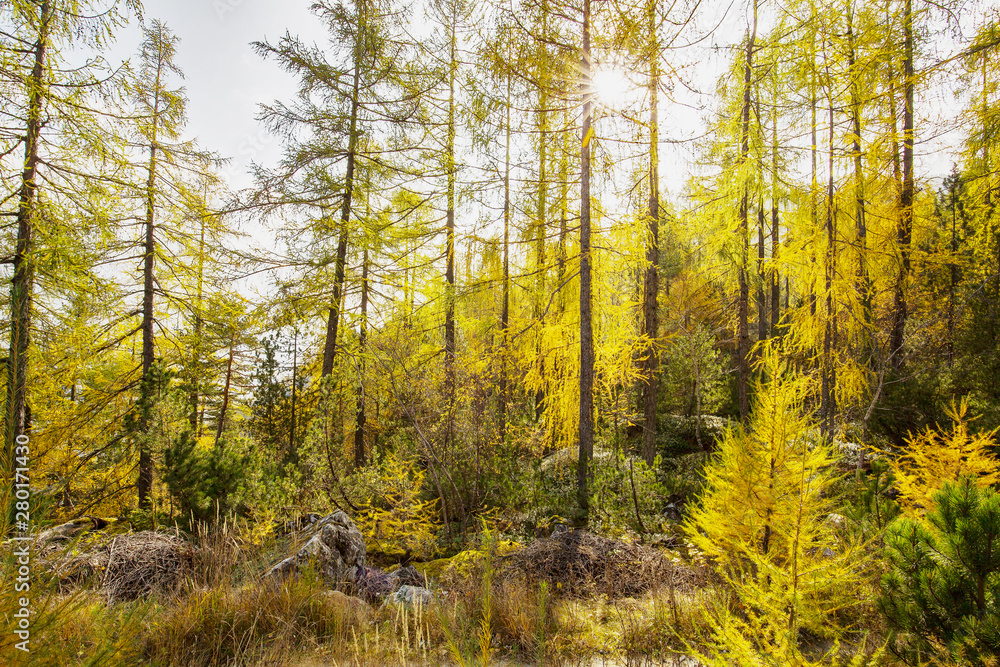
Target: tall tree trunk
x=541 y=210
x=775 y=230
x=221 y=427
x=743 y=332
x=145 y=482
x=449 y=314
x=22 y=283
x=293 y=447
x=953 y=273
x=586 y=425
x=763 y=317
x=194 y=397
x=651 y=285
x=505 y=308
x=829 y=370
x=904 y=229
x=563 y=208
x=359 y=425
x=333 y=321
x=864 y=285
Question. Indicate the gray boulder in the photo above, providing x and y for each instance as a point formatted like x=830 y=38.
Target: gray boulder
x=410 y=596
x=336 y=549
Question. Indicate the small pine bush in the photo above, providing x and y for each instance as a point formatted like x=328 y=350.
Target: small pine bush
x=941 y=593
x=202 y=483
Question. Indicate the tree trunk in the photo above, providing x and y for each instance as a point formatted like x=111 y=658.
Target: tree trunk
x=829 y=377
x=775 y=231
x=333 y=321
x=904 y=229
x=651 y=285
x=22 y=282
x=864 y=285
x=762 y=315
x=293 y=448
x=586 y=425
x=541 y=213
x=505 y=308
x=743 y=332
x=359 y=426
x=225 y=390
x=194 y=397
x=449 y=313
x=145 y=482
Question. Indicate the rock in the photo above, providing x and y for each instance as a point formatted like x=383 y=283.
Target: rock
x=373 y=584
x=358 y=607
x=336 y=550
x=407 y=576
x=411 y=596
x=70 y=529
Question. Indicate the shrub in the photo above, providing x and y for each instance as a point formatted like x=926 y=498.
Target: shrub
x=934 y=457
x=763 y=519
x=202 y=483
x=942 y=592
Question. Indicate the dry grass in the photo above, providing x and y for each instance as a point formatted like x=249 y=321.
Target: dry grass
x=221 y=613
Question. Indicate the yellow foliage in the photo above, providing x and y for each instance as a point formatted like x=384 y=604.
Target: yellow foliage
x=935 y=457
x=465 y=562
x=763 y=520
x=394 y=519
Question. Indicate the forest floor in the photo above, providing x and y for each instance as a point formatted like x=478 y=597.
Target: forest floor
x=573 y=599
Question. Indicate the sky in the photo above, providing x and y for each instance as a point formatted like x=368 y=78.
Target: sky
x=225 y=79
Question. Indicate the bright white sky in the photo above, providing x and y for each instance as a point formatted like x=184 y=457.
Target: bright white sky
x=225 y=79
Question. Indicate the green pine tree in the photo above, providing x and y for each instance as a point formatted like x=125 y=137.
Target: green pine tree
x=941 y=594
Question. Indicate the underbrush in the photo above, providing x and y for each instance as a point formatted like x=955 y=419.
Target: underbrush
x=485 y=612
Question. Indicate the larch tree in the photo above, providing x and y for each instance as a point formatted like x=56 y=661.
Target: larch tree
x=54 y=110
x=586 y=424
x=353 y=91
x=160 y=119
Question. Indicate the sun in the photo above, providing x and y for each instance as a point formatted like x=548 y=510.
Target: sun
x=613 y=87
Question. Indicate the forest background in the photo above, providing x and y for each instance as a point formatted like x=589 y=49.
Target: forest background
x=523 y=264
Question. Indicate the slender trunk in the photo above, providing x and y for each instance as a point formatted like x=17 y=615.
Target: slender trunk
x=293 y=448
x=22 y=283
x=987 y=170
x=775 y=231
x=586 y=425
x=814 y=166
x=359 y=425
x=651 y=285
x=829 y=377
x=145 y=482
x=743 y=333
x=333 y=321
x=904 y=229
x=449 y=315
x=563 y=210
x=194 y=398
x=864 y=285
x=952 y=276
x=505 y=309
x=225 y=389
x=762 y=315
x=541 y=212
